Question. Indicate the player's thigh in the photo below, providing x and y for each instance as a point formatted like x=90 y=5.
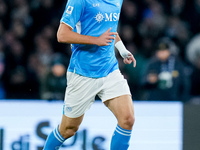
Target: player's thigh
x=122 y=108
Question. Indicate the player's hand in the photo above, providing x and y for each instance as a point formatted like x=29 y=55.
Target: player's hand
x=106 y=38
x=130 y=59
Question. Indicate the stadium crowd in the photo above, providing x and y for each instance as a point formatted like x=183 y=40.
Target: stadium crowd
x=33 y=63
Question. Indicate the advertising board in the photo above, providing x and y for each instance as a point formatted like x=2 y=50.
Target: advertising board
x=24 y=125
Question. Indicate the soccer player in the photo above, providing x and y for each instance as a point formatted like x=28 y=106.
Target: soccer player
x=91 y=27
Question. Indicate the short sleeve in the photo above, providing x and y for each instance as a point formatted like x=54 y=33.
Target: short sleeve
x=72 y=12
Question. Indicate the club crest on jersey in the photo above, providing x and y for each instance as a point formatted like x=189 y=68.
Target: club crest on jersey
x=118 y=4
x=107 y=17
x=69 y=10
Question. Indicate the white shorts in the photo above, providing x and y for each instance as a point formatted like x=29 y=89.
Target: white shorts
x=81 y=91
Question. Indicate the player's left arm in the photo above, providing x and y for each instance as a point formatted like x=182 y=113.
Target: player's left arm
x=126 y=55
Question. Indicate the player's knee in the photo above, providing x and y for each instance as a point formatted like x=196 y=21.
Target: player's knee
x=69 y=132
x=128 y=121
x=133 y=120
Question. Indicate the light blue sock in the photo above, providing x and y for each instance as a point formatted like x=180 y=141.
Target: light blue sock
x=120 y=139
x=54 y=140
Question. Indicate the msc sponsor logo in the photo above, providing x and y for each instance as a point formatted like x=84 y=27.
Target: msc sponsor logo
x=99 y=17
x=107 y=17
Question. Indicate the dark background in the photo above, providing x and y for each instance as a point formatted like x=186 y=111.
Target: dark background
x=33 y=63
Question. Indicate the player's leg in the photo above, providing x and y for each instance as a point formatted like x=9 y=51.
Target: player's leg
x=122 y=108
x=66 y=129
x=117 y=97
x=78 y=99
x=69 y=126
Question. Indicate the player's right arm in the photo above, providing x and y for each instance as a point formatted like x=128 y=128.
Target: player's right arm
x=71 y=16
x=65 y=34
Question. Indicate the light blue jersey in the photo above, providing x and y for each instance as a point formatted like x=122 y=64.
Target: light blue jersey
x=93 y=18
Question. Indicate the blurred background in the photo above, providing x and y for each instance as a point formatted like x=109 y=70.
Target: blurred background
x=164 y=37
x=33 y=63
